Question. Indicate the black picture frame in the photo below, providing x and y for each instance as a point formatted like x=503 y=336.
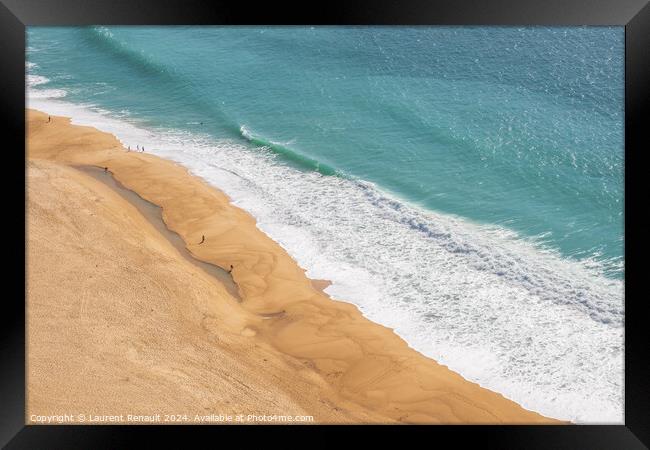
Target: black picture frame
x=634 y=15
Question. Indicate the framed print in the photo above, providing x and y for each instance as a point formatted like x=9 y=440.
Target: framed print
x=353 y=214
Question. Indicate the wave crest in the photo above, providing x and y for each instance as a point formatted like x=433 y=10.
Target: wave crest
x=289 y=155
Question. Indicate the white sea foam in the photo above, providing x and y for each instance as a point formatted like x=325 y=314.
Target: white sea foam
x=35 y=80
x=39 y=80
x=245 y=132
x=541 y=329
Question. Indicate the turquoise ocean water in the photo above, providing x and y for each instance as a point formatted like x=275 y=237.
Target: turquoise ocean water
x=462 y=185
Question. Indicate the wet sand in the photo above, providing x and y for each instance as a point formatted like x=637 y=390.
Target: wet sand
x=153 y=214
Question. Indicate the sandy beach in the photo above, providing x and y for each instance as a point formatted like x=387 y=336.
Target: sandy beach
x=129 y=313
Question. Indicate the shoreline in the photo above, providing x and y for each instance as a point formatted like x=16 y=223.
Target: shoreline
x=365 y=363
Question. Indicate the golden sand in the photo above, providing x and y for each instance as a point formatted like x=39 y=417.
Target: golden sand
x=120 y=323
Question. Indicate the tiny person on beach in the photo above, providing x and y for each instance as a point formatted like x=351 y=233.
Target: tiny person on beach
x=49 y=119
x=202 y=239
x=105 y=169
x=231 y=267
